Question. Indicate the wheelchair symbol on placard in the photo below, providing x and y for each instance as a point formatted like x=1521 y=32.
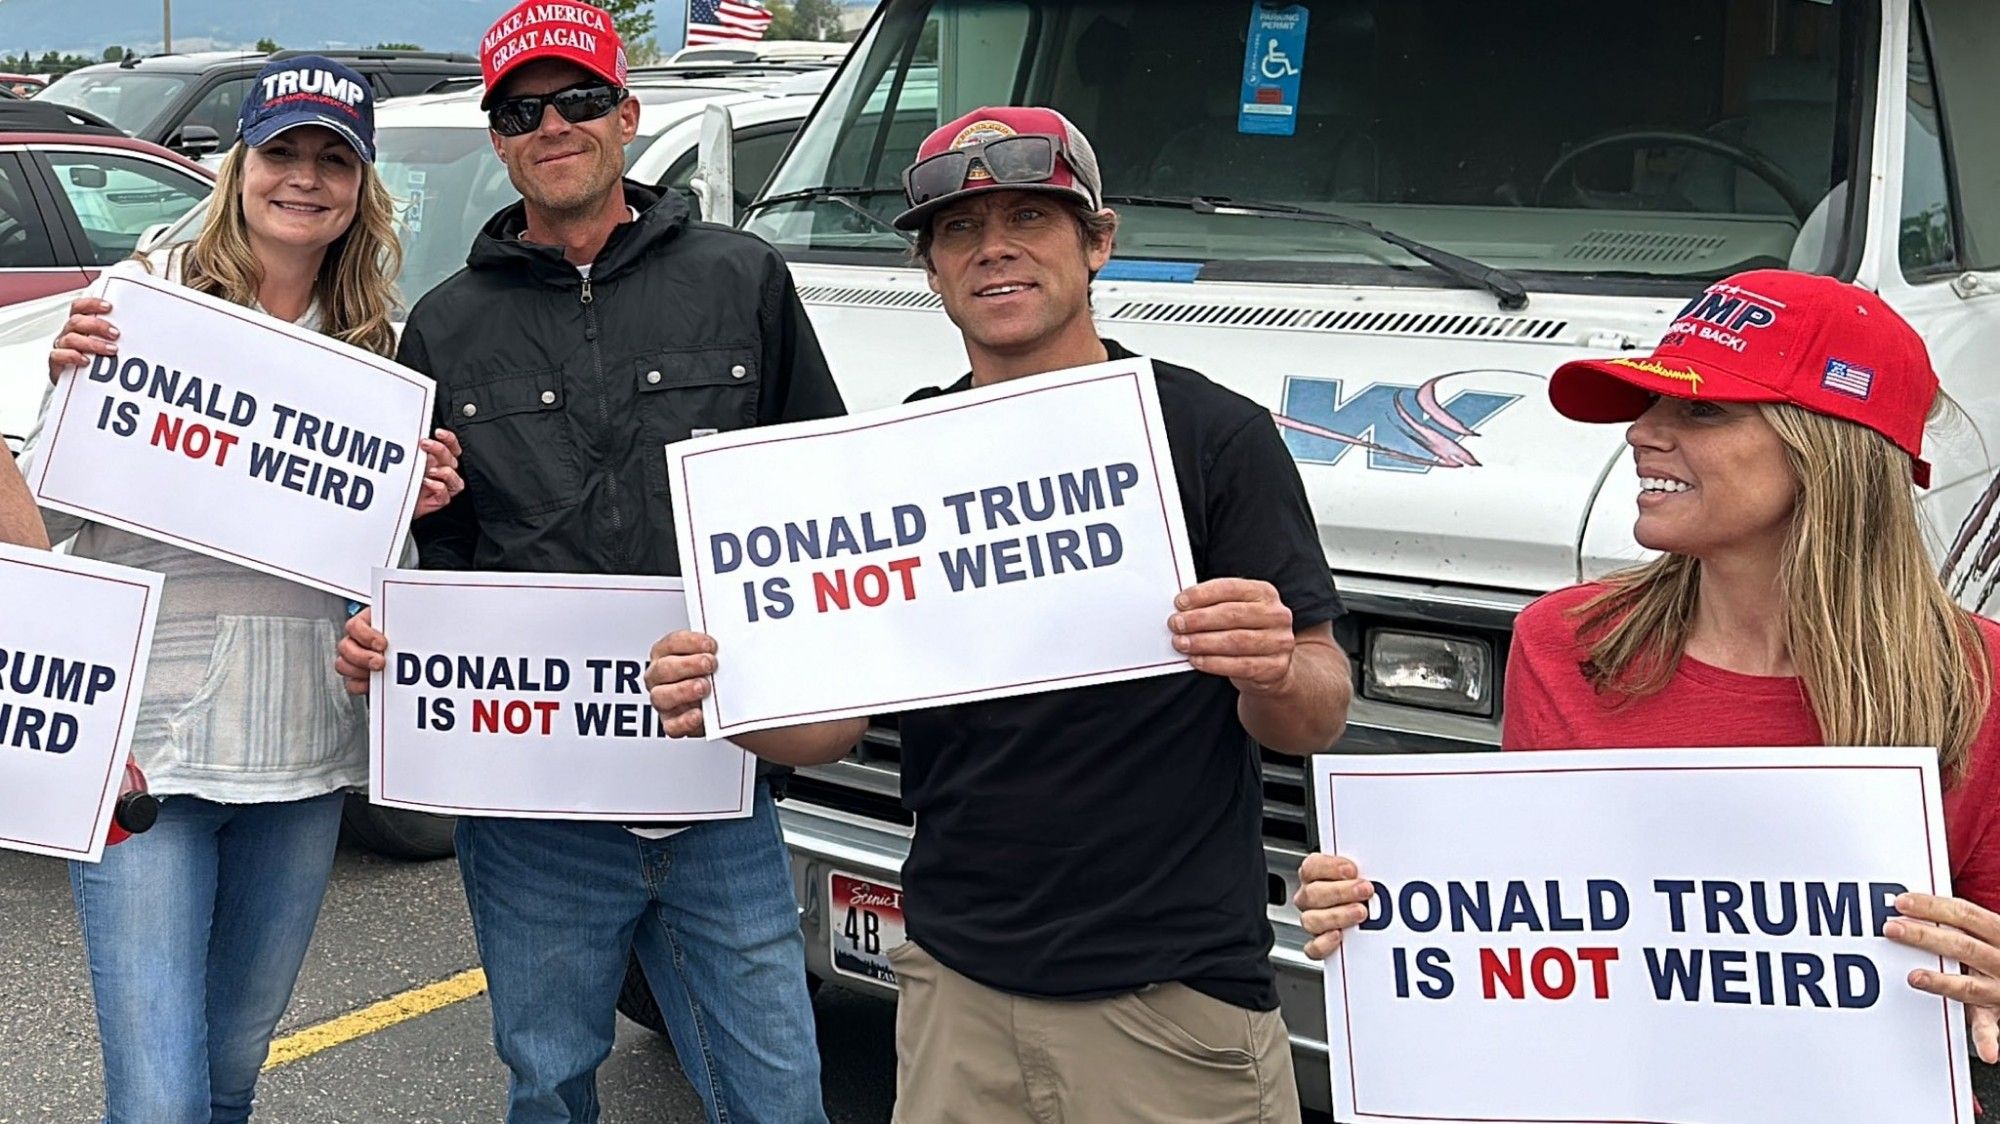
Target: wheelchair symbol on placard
x=1277 y=64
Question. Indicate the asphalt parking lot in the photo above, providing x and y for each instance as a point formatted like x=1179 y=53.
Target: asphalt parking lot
x=388 y=928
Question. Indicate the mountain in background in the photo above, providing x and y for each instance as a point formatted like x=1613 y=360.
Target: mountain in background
x=86 y=27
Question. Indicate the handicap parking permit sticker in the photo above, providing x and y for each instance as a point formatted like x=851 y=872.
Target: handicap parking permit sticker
x=1273 y=58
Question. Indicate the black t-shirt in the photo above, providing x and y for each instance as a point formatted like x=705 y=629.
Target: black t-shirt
x=1088 y=842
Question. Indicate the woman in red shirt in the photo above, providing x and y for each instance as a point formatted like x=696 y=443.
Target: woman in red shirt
x=1776 y=432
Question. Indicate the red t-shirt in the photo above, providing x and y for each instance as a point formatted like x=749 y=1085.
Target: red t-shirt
x=1551 y=706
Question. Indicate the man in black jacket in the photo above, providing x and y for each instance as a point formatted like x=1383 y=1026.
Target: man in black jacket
x=596 y=323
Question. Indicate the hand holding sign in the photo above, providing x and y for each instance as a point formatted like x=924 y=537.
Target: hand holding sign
x=1238 y=629
x=360 y=652
x=1969 y=934
x=680 y=674
x=441 y=479
x=677 y=680
x=1332 y=898
x=85 y=334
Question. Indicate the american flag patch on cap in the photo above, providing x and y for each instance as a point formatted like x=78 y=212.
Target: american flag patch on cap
x=1855 y=382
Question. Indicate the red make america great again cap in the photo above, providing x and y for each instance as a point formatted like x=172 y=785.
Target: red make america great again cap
x=1772 y=335
x=573 y=32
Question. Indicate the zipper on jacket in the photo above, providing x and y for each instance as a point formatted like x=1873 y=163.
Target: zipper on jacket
x=603 y=401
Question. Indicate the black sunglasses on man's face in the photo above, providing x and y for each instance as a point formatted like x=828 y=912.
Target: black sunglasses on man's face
x=516 y=116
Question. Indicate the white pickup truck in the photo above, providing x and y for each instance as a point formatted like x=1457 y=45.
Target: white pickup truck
x=1586 y=169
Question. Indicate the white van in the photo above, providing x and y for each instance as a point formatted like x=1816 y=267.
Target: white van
x=1590 y=165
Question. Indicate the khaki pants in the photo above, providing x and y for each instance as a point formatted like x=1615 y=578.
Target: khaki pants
x=966 y=1054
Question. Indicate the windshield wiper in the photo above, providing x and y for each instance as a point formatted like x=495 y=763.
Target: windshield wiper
x=845 y=197
x=1513 y=295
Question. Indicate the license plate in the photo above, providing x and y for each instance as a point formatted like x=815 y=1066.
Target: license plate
x=867 y=922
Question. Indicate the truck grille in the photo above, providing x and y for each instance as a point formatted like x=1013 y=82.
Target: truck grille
x=867 y=782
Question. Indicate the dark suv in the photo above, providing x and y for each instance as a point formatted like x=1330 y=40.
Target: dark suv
x=188 y=102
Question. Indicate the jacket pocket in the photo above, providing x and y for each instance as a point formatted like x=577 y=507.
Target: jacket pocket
x=685 y=390
x=520 y=456
x=270 y=702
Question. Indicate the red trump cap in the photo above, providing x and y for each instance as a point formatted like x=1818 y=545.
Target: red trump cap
x=1771 y=335
x=573 y=32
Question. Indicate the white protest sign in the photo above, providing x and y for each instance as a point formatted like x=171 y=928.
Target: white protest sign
x=521 y=695
x=75 y=635
x=228 y=432
x=1014 y=538
x=1669 y=936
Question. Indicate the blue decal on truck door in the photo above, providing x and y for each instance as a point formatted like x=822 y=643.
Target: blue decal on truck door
x=1403 y=428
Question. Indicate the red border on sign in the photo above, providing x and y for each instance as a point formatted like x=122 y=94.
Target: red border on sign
x=62 y=415
x=1159 y=487
x=1333 y=847
x=124 y=708
x=381 y=618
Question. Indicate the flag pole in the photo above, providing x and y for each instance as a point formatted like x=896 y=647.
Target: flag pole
x=685 y=11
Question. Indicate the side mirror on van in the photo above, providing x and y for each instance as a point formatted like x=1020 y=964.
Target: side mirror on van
x=194 y=141
x=714 y=182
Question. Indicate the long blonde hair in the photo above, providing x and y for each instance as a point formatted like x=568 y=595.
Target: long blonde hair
x=356 y=288
x=1884 y=654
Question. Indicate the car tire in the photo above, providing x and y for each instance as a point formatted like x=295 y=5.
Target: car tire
x=399 y=834
x=635 y=998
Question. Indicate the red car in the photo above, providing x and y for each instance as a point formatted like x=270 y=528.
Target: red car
x=23 y=84
x=76 y=194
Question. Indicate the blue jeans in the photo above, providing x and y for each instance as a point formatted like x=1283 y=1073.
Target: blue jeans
x=557 y=907
x=195 y=931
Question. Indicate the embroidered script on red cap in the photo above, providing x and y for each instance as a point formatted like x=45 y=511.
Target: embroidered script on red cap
x=575 y=26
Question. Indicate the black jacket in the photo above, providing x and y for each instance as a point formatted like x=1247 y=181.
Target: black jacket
x=563 y=392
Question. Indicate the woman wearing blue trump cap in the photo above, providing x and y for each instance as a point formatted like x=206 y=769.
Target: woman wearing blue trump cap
x=195 y=930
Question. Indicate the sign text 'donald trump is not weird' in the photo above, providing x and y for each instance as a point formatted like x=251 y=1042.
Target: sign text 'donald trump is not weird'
x=523 y=695
x=75 y=637
x=1021 y=537
x=234 y=434
x=1639 y=935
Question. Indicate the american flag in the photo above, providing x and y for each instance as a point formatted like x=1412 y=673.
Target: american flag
x=725 y=21
x=1848 y=379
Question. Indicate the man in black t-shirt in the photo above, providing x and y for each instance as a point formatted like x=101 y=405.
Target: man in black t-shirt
x=1085 y=891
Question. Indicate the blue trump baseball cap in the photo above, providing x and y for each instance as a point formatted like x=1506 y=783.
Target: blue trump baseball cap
x=309 y=90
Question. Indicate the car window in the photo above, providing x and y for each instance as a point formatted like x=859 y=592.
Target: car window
x=126 y=98
x=756 y=154
x=218 y=108
x=116 y=197
x=24 y=240
x=1964 y=36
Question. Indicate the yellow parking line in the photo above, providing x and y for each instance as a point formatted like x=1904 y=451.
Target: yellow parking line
x=376 y=1016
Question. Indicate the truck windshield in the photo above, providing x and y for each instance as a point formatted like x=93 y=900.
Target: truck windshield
x=1566 y=140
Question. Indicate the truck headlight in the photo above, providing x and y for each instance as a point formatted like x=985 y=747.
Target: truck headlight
x=1440 y=672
